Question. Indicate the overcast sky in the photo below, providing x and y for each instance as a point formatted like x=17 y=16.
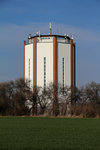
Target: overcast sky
x=80 y=18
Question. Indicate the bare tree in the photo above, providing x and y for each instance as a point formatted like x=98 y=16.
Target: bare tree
x=13 y=97
x=64 y=98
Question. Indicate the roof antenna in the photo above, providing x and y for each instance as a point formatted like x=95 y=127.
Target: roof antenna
x=29 y=36
x=38 y=33
x=72 y=37
x=50 y=27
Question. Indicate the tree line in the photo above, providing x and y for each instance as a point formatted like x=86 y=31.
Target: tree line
x=18 y=99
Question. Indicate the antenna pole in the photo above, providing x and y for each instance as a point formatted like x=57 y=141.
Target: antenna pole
x=50 y=27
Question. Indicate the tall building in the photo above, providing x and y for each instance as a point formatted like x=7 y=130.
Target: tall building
x=49 y=58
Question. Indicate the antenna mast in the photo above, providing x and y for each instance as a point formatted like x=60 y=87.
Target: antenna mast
x=50 y=27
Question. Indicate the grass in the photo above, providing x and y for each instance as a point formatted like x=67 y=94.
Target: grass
x=27 y=133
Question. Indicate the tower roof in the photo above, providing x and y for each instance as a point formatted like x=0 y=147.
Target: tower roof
x=53 y=35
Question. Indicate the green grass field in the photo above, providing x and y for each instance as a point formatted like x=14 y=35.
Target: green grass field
x=27 y=133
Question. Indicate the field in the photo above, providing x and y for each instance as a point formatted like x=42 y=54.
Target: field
x=28 y=133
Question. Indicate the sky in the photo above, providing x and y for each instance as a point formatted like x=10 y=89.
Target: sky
x=19 y=18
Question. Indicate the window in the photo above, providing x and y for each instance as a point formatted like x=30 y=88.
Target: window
x=29 y=68
x=44 y=72
x=63 y=72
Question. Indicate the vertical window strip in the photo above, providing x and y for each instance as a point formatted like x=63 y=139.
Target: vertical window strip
x=44 y=72
x=63 y=72
x=29 y=70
